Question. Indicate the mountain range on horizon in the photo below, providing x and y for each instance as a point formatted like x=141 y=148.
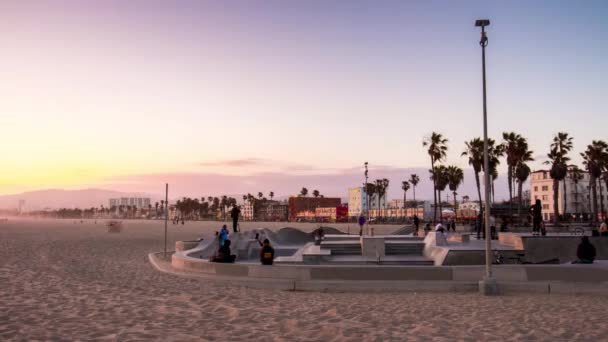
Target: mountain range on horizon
x=204 y=185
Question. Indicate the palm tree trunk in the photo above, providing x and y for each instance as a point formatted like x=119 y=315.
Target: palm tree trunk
x=519 y=185
x=434 y=192
x=493 y=198
x=455 y=204
x=478 y=191
x=565 y=198
x=594 y=195
x=601 y=199
x=510 y=180
x=404 y=199
x=440 y=207
x=555 y=201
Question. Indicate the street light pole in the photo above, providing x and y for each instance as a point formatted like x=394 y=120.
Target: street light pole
x=366 y=195
x=487 y=285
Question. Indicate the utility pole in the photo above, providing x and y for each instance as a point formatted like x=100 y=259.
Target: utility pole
x=166 y=214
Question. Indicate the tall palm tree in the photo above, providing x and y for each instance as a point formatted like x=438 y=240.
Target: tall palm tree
x=405 y=186
x=316 y=193
x=370 y=190
x=511 y=144
x=437 y=149
x=414 y=180
x=594 y=159
x=271 y=195
x=304 y=192
x=439 y=176
x=562 y=142
x=559 y=170
x=576 y=175
x=381 y=186
x=522 y=172
x=455 y=179
x=474 y=152
x=494 y=154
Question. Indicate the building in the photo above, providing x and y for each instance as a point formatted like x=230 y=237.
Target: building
x=21 y=206
x=332 y=214
x=138 y=202
x=357 y=201
x=304 y=207
x=247 y=211
x=577 y=199
x=468 y=210
x=271 y=211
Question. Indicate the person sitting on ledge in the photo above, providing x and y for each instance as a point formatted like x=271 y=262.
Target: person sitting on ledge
x=604 y=227
x=585 y=252
x=266 y=253
x=223 y=254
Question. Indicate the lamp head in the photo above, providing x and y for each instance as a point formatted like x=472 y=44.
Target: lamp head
x=482 y=22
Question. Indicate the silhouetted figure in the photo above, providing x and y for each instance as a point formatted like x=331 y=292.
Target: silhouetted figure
x=537 y=217
x=585 y=252
x=479 y=226
x=416 y=225
x=427 y=228
x=361 y=224
x=439 y=228
x=224 y=254
x=234 y=213
x=266 y=253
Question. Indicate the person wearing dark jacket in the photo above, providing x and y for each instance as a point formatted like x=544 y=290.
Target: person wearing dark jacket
x=266 y=253
x=537 y=217
x=234 y=213
x=223 y=254
x=585 y=252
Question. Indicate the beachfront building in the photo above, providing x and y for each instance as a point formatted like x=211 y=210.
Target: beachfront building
x=304 y=207
x=247 y=211
x=332 y=214
x=271 y=211
x=468 y=210
x=577 y=199
x=138 y=202
x=357 y=201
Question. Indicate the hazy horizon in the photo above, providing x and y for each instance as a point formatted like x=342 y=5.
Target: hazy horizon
x=276 y=95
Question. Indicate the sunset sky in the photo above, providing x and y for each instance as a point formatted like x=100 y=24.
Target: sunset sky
x=128 y=94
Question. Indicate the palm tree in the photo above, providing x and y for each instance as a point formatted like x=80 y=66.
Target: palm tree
x=576 y=175
x=455 y=178
x=563 y=143
x=381 y=186
x=304 y=192
x=522 y=172
x=414 y=180
x=437 y=150
x=405 y=186
x=474 y=150
x=594 y=159
x=156 y=207
x=271 y=195
x=494 y=154
x=439 y=176
x=511 y=144
x=316 y=193
x=558 y=172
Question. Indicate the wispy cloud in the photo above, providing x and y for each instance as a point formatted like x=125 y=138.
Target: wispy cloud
x=235 y=162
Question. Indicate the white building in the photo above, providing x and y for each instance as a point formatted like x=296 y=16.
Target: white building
x=247 y=211
x=138 y=202
x=357 y=201
x=577 y=197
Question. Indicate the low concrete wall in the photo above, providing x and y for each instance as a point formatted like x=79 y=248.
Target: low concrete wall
x=541 y=248
x=185 y=245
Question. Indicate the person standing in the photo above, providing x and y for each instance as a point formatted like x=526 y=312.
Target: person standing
x=361 y=224
x=537 y=217
x=223 y=235
x=234 y=213
x=416 y=225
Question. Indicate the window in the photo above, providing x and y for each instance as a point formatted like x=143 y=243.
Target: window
x=545 y=206
x=535 y=188
x=545 y=197
x=544 y=175
x=545 y=188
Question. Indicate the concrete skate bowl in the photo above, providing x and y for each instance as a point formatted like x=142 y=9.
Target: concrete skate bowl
x=407 y=230
x=286 y=242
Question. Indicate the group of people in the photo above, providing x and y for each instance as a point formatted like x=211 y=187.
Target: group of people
x=224 y=254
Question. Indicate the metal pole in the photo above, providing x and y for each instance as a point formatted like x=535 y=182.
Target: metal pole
x=166 y=213
x=486 y=158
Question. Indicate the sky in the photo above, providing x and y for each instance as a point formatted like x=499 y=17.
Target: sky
x=129 y=95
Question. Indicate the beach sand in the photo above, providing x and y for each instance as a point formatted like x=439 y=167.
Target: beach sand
x=61 y=280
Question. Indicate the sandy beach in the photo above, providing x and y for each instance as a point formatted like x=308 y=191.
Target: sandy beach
x=62 y=280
